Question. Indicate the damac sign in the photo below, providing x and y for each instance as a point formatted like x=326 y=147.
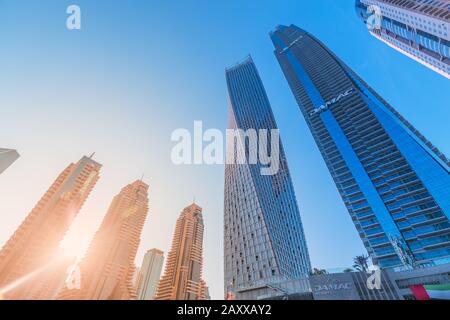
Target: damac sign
x=333 y=287
x=325 y=107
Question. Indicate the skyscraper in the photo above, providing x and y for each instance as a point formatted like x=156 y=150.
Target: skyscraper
x=150 y=273
x=394 y=182
x=108 y=268
x=420 y=29
x=7 y=158
x=33 y=248
x=182 y=279
x=264 y=240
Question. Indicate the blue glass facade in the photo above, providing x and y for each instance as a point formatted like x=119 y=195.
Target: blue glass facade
x=264 y=240
x=418 y=28
x=394 y=183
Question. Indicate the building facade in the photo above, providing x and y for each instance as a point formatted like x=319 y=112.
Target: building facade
x=329 y=286
x=34 y=247
x=264 y=241
x=430 y=275
x=386 y=284
x=394 y=183
x=150 y=273
x=7 y=158
x=182 y=279
x=354 y=286
x=419 y=29
x=108 y=267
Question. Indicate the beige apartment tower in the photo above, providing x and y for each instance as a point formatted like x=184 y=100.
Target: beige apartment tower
x=182 y=279
x=149 y=274
x=108 y=268
x=34 y=248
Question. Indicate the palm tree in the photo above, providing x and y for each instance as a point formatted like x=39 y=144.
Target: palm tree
x=361 y=263
x=317 y=272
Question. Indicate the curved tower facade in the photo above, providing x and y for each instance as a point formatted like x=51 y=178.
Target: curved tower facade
x=394 y=183
x=264 y=241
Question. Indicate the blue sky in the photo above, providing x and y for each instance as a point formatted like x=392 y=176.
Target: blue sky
x=140 y=69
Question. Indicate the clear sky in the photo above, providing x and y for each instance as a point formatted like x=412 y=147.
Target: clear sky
x=140 y=69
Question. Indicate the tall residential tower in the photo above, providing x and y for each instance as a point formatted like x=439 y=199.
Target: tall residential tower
x=34 y=246
x=107 y=269
x=394 y=182
x=420 y=29
x=264 y=242
x=182 y=279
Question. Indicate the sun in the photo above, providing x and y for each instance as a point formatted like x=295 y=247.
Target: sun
x=75 y=245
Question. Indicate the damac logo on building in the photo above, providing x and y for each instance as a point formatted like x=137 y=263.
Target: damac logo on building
x=333 y=287
x=325 y=107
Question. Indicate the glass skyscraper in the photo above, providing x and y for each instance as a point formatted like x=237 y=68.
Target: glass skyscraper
x=420 y=29
x=394 y=182
x=264 y=241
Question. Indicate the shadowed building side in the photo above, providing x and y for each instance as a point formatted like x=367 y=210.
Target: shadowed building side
x=149 y=274
x=419 y=29
x=7 y=158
